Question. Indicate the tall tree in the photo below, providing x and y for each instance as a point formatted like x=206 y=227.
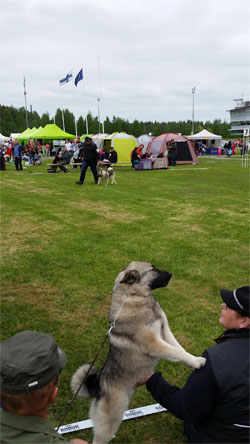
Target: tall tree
x=45 y=119
x=81 y=126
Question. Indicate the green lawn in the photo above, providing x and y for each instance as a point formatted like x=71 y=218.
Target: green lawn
x=63 y=245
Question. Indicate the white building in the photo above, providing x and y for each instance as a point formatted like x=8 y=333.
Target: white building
x=240 y=117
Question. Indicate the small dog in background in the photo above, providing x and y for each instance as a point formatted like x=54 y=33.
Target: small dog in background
x=106 y=174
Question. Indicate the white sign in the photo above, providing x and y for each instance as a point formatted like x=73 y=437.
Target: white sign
x=129 y=414
x=246 y=132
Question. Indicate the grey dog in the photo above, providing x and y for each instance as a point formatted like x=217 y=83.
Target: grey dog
x=141 y=336
x=106 y=174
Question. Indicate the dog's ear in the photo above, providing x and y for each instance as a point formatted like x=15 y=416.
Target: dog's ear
x=131 y=277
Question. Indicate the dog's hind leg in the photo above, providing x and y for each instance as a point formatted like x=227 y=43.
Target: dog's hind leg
x=106 y=414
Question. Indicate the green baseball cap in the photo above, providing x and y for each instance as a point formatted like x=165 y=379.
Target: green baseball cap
x=29 y=361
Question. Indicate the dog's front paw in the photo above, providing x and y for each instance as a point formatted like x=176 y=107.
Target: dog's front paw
x=199 y=362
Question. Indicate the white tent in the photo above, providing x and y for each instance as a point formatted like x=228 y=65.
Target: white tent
x=145 y=139
x=13 y=136
x=3 y=138
x=207 y=137
x=99 y=139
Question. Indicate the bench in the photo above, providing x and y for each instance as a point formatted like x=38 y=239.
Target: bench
x=107 y=164
x=67 y=164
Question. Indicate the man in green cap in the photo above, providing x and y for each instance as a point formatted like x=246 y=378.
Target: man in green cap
x=31 y=363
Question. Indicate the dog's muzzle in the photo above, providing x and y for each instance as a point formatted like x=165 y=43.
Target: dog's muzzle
x=161 y=280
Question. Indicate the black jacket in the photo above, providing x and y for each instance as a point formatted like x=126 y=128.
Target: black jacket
x=214 y=397
x=88 y=152
x=113 y=156
x=66 y=156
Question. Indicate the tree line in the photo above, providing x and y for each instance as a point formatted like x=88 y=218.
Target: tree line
x=13 y=120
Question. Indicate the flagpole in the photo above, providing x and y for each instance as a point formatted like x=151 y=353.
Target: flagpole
x=76 y=127
x=63 y=120
x=100 y=94
x=87 y=128
x=25 y=94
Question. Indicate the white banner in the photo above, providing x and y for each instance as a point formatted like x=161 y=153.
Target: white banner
x=129 y=414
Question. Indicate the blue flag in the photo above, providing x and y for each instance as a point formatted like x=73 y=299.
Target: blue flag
x=66 y=79
x=79 y=77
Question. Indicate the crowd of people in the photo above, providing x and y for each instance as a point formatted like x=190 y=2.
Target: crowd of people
x=20 y=154
x=74 y=151
x=228 y=148
x=213 y=404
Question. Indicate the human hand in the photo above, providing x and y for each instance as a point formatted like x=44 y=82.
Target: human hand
x=144 y=380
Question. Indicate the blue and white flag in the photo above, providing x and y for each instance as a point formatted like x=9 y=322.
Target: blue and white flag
x=66 y=79
x=79 y=77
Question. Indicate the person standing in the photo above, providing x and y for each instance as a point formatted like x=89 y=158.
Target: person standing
x=173 y=152
x=2 y=158
x=214 y=402
x=31 y=363
x=90 y=156
x=18 y=155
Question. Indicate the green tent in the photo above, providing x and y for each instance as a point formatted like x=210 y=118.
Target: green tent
x=27 y=134
x=24 y=134
x=33 y=134
x=52 y=132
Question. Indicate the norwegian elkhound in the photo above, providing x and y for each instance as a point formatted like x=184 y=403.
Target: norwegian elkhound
x=140 y=337
x=106 y=174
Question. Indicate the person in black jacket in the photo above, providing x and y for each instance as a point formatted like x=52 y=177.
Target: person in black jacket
x=113 y=155
x=90 y=156
x=214 y=402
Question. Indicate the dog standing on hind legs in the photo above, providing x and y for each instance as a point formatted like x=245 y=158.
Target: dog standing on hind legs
x=139 y=337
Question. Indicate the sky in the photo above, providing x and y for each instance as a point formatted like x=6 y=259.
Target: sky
x=140 y=57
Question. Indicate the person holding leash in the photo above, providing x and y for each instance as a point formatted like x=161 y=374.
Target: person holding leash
x=214 y=402
x=31 y=363
x=90 y=156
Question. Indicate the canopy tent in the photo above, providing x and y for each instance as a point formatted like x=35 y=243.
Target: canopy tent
x=4 y=138
x=52 y=132
x=185 y=150
x=123 y=143
x=207 y=138
x=85 y=135
x=34 y=133
x=27 y=134
x=24 y=133
x=145 y=139
x=99 y=139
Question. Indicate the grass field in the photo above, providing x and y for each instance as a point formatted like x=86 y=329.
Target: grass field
x=63 y=245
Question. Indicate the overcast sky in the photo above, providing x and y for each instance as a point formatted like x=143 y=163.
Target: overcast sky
x=143 y=56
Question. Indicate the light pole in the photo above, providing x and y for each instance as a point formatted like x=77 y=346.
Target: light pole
x=193 y=92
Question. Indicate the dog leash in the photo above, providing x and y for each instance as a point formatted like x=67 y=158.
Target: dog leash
x=111 y=326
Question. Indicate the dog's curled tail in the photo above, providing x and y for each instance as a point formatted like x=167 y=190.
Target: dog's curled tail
x=91 y=386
